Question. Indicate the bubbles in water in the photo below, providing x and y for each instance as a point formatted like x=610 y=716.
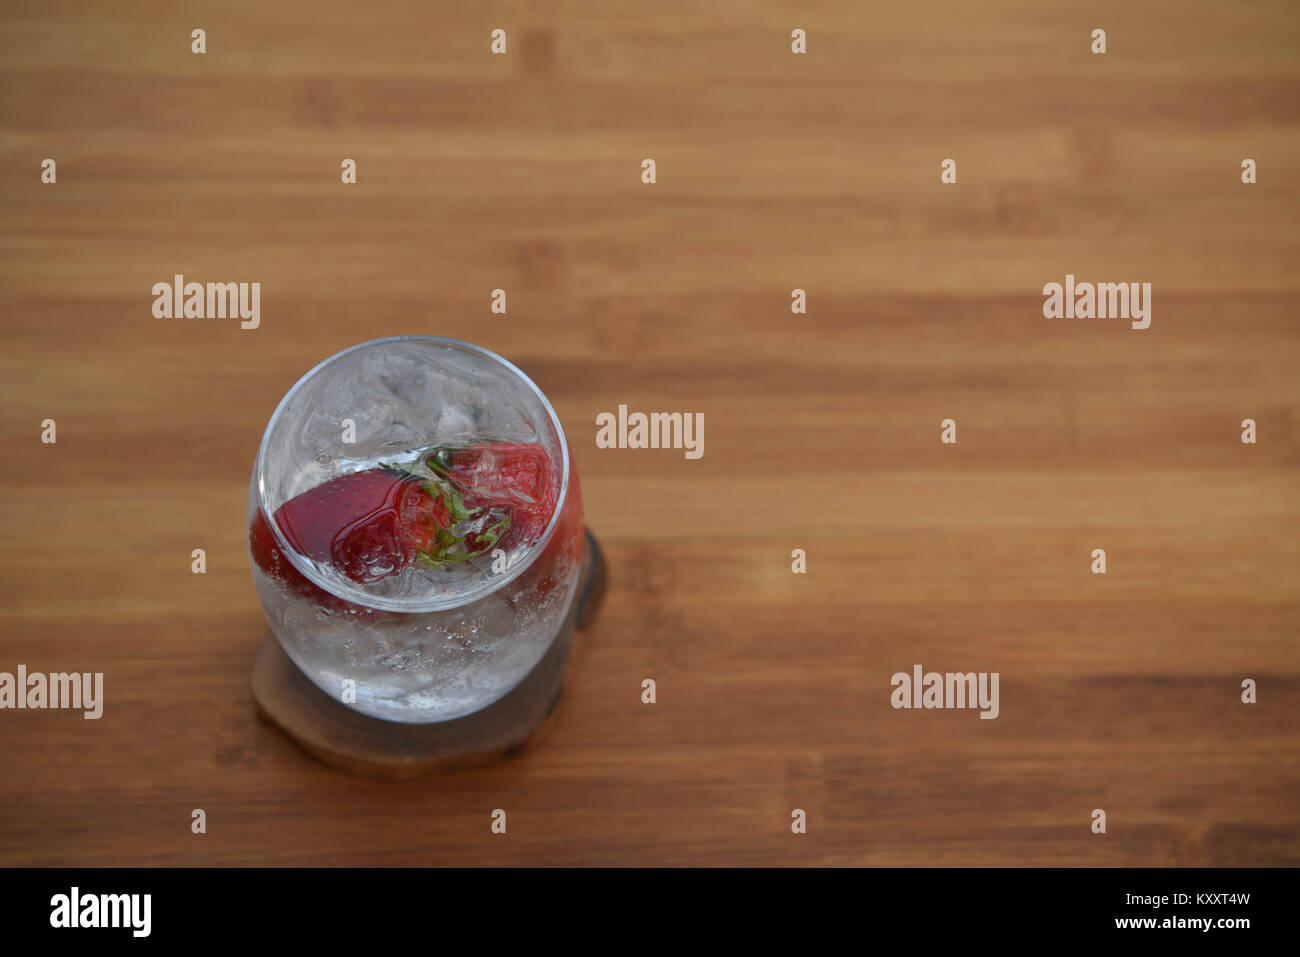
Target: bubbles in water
x=401 y=398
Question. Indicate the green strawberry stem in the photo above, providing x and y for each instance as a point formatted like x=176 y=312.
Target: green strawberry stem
x=433 y=473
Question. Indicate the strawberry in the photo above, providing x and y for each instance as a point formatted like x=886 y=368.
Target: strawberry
x=563 y=552
x=269 y=557
x=517 y=476
x=521 y=477
x=350 y=522
x=368 y=525
x=451 y=505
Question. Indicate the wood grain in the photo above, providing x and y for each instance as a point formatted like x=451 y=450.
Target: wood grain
x=775 y=171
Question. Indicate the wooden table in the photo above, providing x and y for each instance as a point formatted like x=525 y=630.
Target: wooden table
x=775 y=171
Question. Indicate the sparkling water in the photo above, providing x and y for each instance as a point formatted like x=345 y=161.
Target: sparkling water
x=426 y=644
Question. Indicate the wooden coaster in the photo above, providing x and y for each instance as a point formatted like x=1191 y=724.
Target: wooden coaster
x=361 y=744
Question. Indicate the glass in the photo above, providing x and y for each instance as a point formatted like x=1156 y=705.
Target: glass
x=415 y=527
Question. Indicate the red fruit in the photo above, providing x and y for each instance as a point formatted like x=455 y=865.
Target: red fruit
x=455 y=504
x=266 y=553
x=517 y=475
x=563 y=551
x=352 y=523
x=422 y=515
x=268 y=556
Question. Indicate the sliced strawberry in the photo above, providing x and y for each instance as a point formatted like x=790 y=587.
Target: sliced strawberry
x=442 y=526
x=510 y=471
x=517 y=476
x=368 y=525
x=350 y=522
x=452 y=505
x=422 y=516
x=268 y=556
x=266 y=553
x=564 y=550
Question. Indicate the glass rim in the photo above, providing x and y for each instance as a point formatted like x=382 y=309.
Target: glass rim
x=357 y=596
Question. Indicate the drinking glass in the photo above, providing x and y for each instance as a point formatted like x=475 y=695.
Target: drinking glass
x=415 y=527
